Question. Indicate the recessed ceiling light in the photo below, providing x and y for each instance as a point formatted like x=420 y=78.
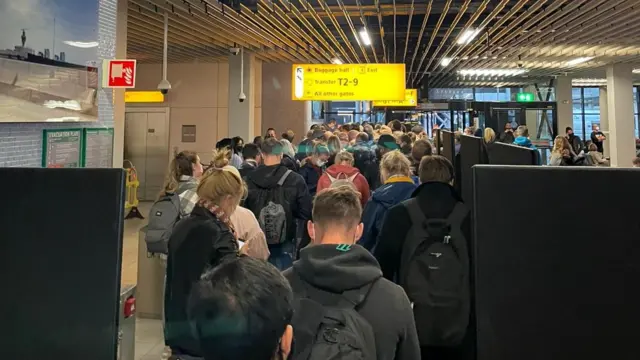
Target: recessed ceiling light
x=465 y=58
x=484 y=58
x=364 y=36
x=589 y=82
x=579 y=60
x=636 y=71
x=445 y=61
x=336 y=61
x=467 y=36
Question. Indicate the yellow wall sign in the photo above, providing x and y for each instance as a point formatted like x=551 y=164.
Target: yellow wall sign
x=348 y=82
x=143 y=97
x=410 y=100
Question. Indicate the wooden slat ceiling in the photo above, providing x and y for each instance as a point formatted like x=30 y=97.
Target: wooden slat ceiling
x=540 y=36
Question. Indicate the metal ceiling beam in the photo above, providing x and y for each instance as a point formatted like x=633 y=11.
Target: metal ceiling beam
x=433 y=36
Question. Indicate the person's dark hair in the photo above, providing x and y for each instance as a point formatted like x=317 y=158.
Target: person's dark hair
x=257 y=140
x=332 y=121
x=314 y=127
x=250 y=151
x=240 y=310
x=224 y=143
x=234 y=142
x=403 y=128
x=362 y=137
x=268 y=131
x=346 y=127
x=271 y=146
x=395 y=125
x=181 y=164
x=636 y=162
x=421 y=148
x=288 y=135
x=377 y=126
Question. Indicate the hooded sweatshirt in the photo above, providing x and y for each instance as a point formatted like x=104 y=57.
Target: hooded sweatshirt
x=311 y=174
x=265 y=178
x=387 y=307
x=341 y=172
x=524 y=142
x=394 y=191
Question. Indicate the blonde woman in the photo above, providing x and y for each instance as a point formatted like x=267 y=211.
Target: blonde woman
x=335 y=147
x=489 y=136
x=395 y=173
x=198 y=242
x=559 y=154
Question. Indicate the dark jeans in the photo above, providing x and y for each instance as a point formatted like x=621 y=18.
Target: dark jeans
x=282 y=255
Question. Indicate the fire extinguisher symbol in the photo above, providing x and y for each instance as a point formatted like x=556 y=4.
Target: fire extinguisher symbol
x=128 y=76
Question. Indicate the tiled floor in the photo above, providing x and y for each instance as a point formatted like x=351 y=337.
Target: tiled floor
x=149 y=339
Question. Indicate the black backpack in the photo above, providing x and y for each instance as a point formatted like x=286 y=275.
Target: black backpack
x=163 y=216
x=329 y=327
x=434 y=273
x=274 y=215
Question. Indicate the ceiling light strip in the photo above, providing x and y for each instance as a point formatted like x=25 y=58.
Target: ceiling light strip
x=363 y=20
x=376 y=4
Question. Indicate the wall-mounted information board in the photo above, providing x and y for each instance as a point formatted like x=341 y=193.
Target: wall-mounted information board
x=98 y=147
x=348 y=82
x=62 y=148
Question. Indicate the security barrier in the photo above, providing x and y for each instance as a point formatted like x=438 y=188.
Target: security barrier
x=131 y=199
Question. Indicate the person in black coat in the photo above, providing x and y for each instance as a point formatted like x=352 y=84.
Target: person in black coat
x=198 y=242
x=437 y=198
x=298 y=201
x=252 y=157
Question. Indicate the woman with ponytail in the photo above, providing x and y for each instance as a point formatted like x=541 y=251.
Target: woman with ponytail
x=182 y=178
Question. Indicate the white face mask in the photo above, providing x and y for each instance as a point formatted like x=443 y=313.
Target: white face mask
x=320 y=163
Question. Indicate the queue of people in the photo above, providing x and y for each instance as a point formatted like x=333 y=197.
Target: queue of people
x=320 y=249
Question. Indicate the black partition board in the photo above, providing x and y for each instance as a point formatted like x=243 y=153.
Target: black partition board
x=470 y=155
x=61 y=244
x=448 y=145
x=557 y=276
x=508 y=154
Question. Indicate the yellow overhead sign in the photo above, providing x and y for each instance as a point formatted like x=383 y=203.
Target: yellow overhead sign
x=348 y=82
x=143 y=97
x=410 y=100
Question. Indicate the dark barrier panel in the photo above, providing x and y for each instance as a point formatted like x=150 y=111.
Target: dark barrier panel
x=61 y=240
x=448 y=145
x=471 y=148
x=507 y=154
x=557 y=266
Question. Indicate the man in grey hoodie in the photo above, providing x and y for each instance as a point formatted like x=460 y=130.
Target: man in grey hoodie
x=334 y=264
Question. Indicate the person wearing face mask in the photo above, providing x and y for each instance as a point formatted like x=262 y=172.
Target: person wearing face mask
x=312 y=167
x=237 y=143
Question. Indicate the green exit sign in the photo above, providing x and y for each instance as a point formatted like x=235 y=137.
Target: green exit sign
x=525 y=97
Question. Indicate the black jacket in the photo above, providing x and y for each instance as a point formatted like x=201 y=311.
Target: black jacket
x=436 y=201
x=387 y=307
x=198 y=242
x=296 y=192
x=290 y=163
x=247 y=168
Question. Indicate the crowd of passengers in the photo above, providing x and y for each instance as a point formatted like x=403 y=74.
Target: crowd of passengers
x=351 y=244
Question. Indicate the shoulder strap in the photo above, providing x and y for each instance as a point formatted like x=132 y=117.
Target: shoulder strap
x=331 y=178
x=458 y=214
x=415 y=213
x=352 y=177
x=284 y=178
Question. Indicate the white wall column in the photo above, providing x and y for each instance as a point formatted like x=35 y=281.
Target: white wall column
x=621 y=131
x=604 y=119
x=118 y=94
x=565 y=103
x=241 y=113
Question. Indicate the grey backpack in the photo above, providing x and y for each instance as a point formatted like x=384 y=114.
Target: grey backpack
x=163 y=216
x=273 y=217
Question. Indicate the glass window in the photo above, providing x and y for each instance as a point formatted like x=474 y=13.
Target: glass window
x=635 y=110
